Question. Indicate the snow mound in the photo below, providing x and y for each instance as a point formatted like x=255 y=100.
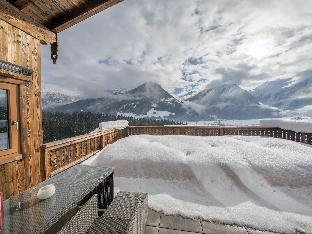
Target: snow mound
x=304 y=126
x=152 y=113
x=264 y=183
x=118 y=124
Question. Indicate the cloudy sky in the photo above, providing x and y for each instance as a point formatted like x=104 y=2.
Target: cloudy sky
x=184 y=45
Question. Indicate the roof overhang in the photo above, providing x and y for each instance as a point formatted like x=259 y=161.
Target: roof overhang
x=62 y=22
x=18 y=19
x=43 y=19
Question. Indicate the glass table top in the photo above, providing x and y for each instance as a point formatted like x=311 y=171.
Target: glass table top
x=25 y=213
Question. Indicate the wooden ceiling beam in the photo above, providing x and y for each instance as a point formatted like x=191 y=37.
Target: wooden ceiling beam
x=21 y=4
x=90 y=8
x=18 y=19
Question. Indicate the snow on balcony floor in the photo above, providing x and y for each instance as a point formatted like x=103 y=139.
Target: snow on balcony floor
x=264 y=183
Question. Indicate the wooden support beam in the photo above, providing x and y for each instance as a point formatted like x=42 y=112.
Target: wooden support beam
x=62 y=22
x=18 y=19
x=21 y=4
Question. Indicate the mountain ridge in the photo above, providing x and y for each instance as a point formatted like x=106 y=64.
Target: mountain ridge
x=290 y=94
x=229 y=101
x=151 y=100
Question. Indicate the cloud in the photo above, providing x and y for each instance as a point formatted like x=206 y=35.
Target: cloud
x=183 y=45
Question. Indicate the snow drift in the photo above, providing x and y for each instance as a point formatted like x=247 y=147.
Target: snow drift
x=118 y=124
x=263 y=183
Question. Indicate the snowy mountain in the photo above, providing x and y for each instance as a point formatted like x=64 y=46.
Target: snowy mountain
x=151 y=100
x=229 y=102
x=291 y=94
x=151 y=91
x=51 y=99
x=147 y=100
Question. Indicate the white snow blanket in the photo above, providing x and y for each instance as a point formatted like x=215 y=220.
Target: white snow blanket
x=264 y=183
x=118 y=124
x=304 y=126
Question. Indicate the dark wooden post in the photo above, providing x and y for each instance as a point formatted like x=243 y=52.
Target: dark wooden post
x=309 y=138
x=298 y=136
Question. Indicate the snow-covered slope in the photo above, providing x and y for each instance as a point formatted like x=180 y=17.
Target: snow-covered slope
x=264 y=183
x=268 y=89
x=51 y=99
x=229 y=102
x=294 y=94
x=229 y=93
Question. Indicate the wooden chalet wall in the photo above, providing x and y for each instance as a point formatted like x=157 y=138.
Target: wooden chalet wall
x=22 y=49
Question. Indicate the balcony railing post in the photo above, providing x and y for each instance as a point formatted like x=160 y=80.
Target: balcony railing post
x=221 y=131
x=46 y=163
x=279 y=133
x=309 y=138
x=102 y=139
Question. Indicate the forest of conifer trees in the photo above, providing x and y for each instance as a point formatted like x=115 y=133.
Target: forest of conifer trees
x=58 y=125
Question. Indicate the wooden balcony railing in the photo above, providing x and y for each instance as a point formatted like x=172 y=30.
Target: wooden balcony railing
x=221 y=131
x=60 y=155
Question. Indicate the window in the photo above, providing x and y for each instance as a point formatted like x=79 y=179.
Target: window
x=9 y=129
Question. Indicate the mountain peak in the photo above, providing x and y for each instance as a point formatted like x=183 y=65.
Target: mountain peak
x=150 y=90
x=229 y=101
x=222 y=94
x=151 y=84
x=229 y=86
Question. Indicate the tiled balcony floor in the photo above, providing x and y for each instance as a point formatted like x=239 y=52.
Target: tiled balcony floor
x=164 y=224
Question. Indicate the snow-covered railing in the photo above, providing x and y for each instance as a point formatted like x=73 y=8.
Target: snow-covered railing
x=203 y=130
x=296 y=125
x=118 y=124
x=60 y=155
x=275 y=132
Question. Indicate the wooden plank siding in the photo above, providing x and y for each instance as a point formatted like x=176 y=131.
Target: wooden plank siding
x=21 y=49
